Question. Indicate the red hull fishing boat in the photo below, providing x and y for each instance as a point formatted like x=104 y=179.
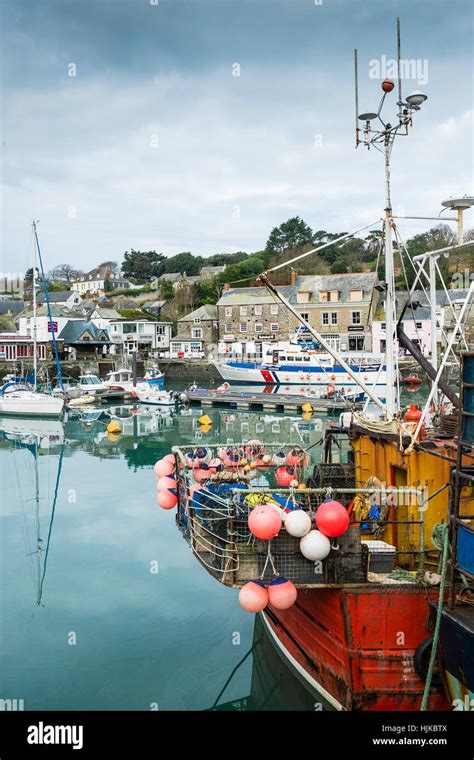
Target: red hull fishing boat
x=343 y=557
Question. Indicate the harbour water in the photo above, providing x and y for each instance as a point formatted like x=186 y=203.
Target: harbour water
x=103 y=606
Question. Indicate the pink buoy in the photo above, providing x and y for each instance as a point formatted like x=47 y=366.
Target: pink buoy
x=264 y=521
x=297 y=458
x=215 y=465
x=284 y=476
x=332 y=518
x=163 y=468
x=200 y=474
x=166 y=482
x=282 y=593
x=167 y=499
x=253 y=597
x=170 y=458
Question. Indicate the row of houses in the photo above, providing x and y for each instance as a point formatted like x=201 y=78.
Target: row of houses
x=104 y=278
x=347 y=309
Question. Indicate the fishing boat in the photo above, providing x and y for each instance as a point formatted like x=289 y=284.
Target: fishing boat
x=17 y=399
x=122 y=379
x=154 y=397
x=343 y=557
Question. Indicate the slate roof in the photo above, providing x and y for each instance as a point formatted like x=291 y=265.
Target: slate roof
x=57 y=296
x=11 y=307
x=206 y=312
x=252 y=295
x=73 y=331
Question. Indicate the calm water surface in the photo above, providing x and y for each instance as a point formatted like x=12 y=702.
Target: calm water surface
x=85 y=624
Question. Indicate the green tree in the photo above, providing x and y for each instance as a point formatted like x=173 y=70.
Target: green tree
x=184 y=262
x=289 y=236
x=142 y=265
x=339 y=267
x=166 y=290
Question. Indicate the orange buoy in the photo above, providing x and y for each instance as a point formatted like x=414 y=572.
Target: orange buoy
x=282 y=593
x=284 y=476
x=264 y=521
x=253 y=597
x=166 y=482
x=163 y=468
x=167 y=499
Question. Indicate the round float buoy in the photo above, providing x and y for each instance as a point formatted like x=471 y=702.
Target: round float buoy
x=332 y=518
x=284 y=476
x=282 y=593
x=315 y=546
x=297 y=458
x=264 y=521
x=253 y=597
x=387 y=85
x=307 y=408
x=165 y=482
x=114 y=427
x=163 y=468
x=298 y=523
x=205 y=420
x=279 y=458
x=167 y=499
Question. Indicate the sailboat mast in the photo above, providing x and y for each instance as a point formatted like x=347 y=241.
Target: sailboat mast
x=35 y=349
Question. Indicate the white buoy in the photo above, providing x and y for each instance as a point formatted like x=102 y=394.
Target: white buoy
x=315 y=546
x=298 y=523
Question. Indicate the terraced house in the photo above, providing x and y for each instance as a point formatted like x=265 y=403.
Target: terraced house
x=340 y=307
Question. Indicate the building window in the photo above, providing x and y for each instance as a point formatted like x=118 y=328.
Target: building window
x=160 y=330
x=334 y=317
x=195 y=346
x=325 y=296
x=274 y=327
x=356 y=318
x=227 y=328
x=258 y=310
x=304 y=315
x=243 y=327
x=128 y=327
x=356 y=344
x=196 y=332
x=228 y=311
x=243 y=311
x=355 y=295
x=383 y=325
x=141 y=327
x=325 y=318
x=274 y=308
x=197 y=320
x=258 y=327
x=419 y=325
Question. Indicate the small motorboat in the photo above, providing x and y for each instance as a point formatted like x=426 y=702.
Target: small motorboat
x=155 y=397
x=86 y=398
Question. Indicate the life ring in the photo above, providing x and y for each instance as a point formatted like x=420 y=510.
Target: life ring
x=331 y=389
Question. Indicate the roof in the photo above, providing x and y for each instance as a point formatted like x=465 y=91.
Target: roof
x=73 y=332
x=11 y=307
x=107 y=313
x=153 y=304
x=252 y=295
x=343 y=283
x=56 y=311
x=101 y=273
x=424 y=311
x=170 y=276
x=208 y=311
x=56 y=296
x=211 y=271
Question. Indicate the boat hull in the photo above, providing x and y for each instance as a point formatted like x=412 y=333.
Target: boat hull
x=31 y=405
x=315 y=377
x=355 y=646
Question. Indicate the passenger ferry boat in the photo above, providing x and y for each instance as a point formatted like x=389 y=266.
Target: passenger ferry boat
x=297 y=363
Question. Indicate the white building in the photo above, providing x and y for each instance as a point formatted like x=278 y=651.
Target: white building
x=67 y=298
x=134 y=334
x=44 y=328
x=95 y=281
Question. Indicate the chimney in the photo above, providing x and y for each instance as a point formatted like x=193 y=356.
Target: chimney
x=293 y=277
x=226 y=287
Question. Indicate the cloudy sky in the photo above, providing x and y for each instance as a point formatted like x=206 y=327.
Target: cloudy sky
x=201 y=124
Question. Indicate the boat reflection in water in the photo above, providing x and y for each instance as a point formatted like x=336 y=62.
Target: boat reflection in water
x=274 y=684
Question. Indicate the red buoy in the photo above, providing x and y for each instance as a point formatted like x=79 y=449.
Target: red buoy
x=282 y=593
x=332 y=518
x=253 y=597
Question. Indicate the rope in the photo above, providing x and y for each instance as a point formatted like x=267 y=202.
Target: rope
x=434 y=647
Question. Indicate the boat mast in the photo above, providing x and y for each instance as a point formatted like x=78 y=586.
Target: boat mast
x=390 y=353
x=35 y=359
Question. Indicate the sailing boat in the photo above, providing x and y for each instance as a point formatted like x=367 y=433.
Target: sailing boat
x=23 y=400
